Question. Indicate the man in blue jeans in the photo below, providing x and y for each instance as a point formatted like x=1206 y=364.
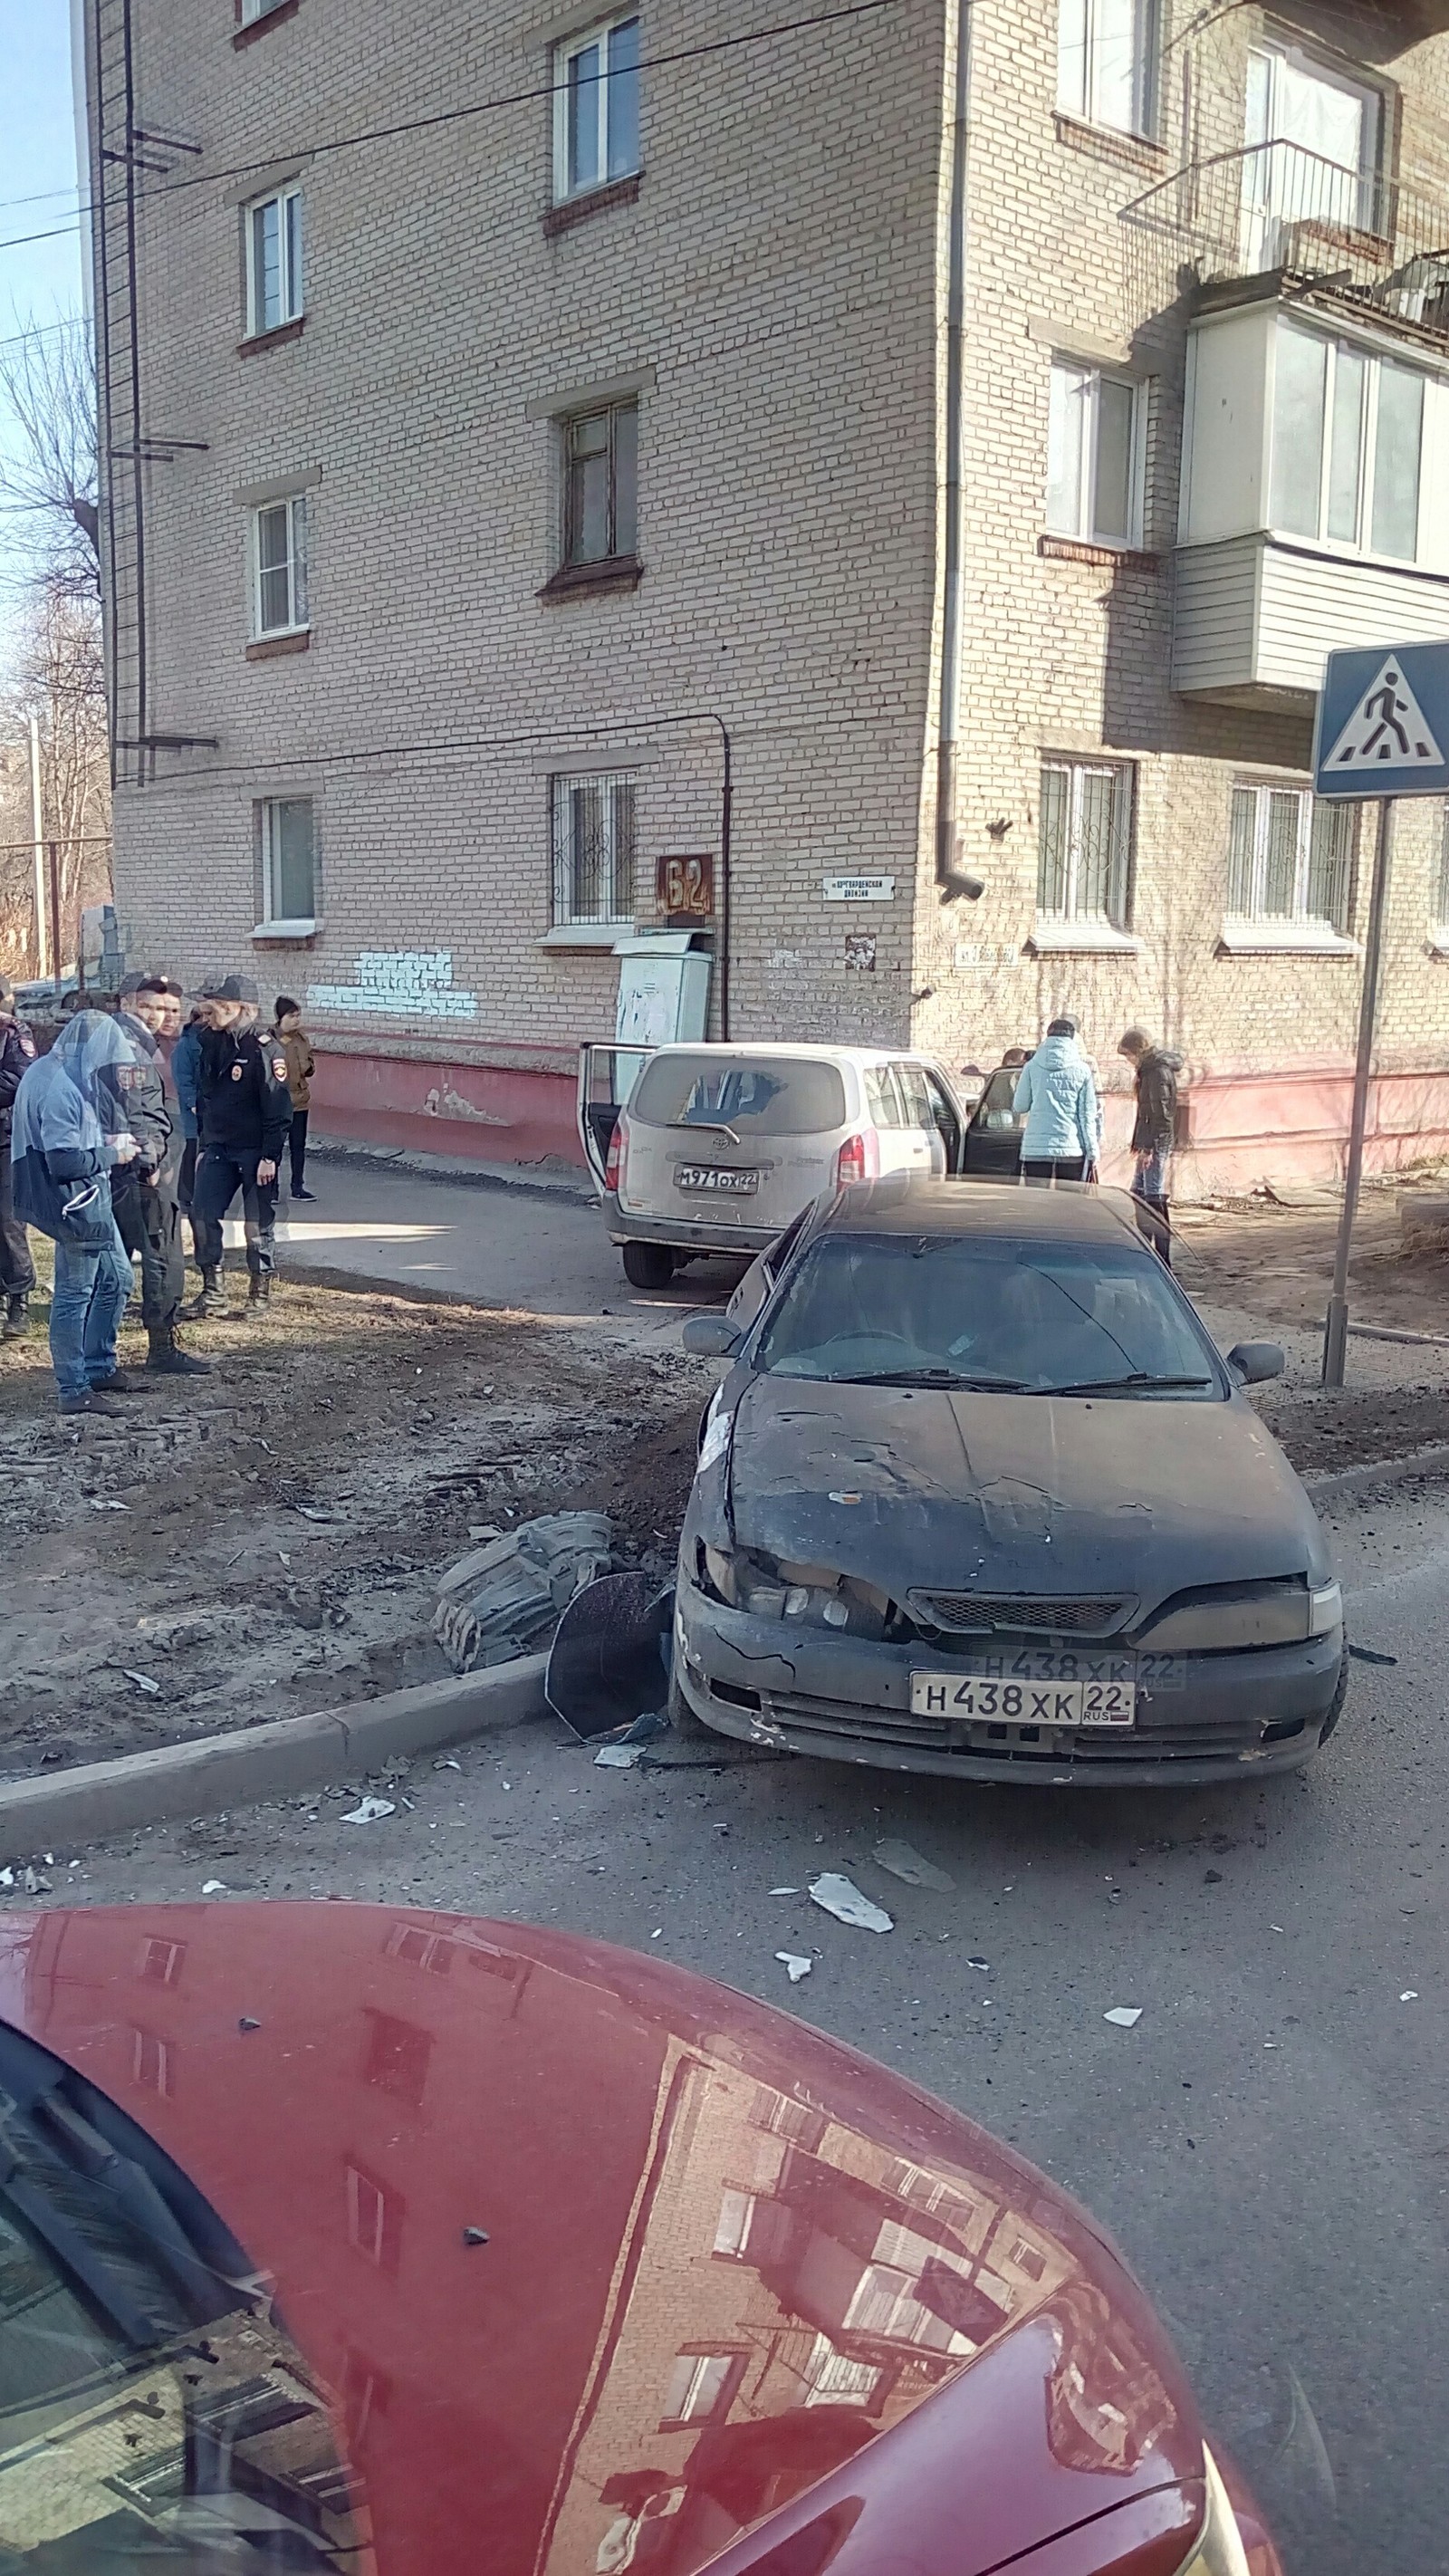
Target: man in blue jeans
x=68 y=1135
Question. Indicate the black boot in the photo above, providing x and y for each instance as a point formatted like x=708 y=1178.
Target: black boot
x=260 y=1291
x=17 y=1318
x=212 y=1300
x=168 y=1359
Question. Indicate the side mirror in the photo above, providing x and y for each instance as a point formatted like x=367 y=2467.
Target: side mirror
x=714 y=1337
x=1252 y=1363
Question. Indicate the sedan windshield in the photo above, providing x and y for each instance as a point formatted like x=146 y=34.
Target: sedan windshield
x=980 y=1312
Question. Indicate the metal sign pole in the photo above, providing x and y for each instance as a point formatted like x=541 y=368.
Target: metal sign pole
x=1335 y=1337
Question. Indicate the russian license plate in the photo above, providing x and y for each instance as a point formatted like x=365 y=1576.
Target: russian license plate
x=717 y=1179
x=991 y=1699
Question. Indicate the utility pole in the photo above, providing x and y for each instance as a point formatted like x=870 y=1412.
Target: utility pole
x=1335 y=1337
x=37 y=834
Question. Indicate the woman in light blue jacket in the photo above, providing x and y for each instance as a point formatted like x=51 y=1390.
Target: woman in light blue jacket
x=1058 y=1092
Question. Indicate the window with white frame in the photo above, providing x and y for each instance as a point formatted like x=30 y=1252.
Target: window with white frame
x=1314 y=159
x=287 y=850
x=1348 y=437
x=1094 y=455
x=601 y=485
x=279 y=566
x=248 y=11
x=1290 y=858
x=272 y=237
x=593 y=850
x=1084 y=857
x=702 y=2387
x=596 y=107
x=1107 y=63
x=1441 y=878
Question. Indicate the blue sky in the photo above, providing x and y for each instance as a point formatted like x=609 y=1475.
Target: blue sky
x=39 y=280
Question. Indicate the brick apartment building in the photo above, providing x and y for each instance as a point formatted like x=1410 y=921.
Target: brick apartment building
x=860 y=447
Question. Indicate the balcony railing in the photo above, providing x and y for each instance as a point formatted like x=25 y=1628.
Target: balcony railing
x=1279 y=207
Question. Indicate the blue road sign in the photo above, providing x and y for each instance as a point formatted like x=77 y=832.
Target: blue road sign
x=1383 y=722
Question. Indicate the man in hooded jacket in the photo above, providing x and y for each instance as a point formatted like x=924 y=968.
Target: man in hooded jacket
x=69 y=1133
x=1154 y=1135
x=143 y=1196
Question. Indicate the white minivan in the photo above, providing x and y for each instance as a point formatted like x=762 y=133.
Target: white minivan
x=717 y=1148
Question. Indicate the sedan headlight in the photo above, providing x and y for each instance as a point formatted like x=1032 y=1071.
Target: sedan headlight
x=1218 y=2550
x=1325 y=1610
x=1237 y=1616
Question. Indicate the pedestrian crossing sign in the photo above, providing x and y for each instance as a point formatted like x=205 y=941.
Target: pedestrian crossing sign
x=1383 y=722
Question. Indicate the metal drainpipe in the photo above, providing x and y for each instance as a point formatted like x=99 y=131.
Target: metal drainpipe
x=947 y=876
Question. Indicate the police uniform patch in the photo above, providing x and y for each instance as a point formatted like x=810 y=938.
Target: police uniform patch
x=279 y=1068
x=236 y=1072
x=130 y=1077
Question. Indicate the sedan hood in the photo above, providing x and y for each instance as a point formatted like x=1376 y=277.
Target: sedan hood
x=910 y=1489
x=613 y=2265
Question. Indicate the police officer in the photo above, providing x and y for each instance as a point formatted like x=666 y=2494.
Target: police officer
x=143 y=1195
x=244 y=1109
x=17 y=1270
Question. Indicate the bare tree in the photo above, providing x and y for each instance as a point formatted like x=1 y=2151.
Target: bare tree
x=50 y=478
x=57 y=676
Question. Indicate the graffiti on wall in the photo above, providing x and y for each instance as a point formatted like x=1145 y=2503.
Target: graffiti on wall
x=406 y=984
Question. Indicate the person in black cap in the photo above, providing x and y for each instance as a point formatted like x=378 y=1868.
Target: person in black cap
x=143 y=1194
x=17 y=1270
x=244 y=1109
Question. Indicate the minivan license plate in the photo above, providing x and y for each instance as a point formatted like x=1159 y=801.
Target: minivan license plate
x=717 y=1178
x=976 y=1699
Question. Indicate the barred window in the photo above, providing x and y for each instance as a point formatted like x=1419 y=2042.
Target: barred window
x=1084 y=862
x=1290 y=858
x=593 y=850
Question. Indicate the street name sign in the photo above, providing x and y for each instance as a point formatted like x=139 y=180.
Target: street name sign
x=1383 y=722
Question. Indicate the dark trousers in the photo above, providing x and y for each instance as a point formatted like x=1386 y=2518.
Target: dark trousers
x=17 y=1270
x=219 y=1175
x=1149 y=1203
x=1068 y=1167
x=149 y=1222
x=297 y=1146
x=186 y=1177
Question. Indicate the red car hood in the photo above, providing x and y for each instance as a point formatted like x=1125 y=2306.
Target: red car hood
x=735 y=2275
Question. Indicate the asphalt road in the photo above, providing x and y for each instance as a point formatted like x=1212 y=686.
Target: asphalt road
x=1269 y=2144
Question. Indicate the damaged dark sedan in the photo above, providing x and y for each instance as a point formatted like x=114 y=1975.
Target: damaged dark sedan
x=979 y=1496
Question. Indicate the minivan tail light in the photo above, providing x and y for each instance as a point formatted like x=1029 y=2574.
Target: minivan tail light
x=617 y=1166
x=858 y=1159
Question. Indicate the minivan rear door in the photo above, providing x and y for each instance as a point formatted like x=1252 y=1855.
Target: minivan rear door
x=607 y=1075
x=730 y=1141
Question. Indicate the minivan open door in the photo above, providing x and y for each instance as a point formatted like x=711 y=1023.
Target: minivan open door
x=607 y=1075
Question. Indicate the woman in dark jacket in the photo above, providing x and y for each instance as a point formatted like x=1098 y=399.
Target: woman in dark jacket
x=69 y=1132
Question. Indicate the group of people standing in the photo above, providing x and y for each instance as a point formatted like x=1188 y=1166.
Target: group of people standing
x=128 y=1123
x=1057 y=1093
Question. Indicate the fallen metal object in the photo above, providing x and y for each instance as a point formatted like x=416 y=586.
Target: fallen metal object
x=609 y=1662
x=505 y=1600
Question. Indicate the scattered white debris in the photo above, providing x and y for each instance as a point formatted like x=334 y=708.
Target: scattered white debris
x=369 y=1811
x=142 y=1681
x=784 y=1891
x=1275 y=1927
x=798 y=1968
x=658 y=1933
x=903 y=1861
x=976 y=1961
x=839 y=1897
x=99 y=1505
x=214 y=1887
x=35 y=1886
x=1410 y=1995
x=1124 y=2016
x=614 y=1757
x=446 y=1762
x=7 y=1878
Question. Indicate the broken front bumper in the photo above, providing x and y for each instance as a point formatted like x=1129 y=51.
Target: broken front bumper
x=811 y=1691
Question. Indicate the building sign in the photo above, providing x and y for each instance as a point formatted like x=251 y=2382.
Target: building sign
x=684 y=890
x=404 y=985
x=858 y=889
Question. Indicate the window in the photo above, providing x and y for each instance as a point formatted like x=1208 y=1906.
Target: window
x=732 y=2230
x=151 y=2062
x=593 y=850
x=1094 y=465
x=1441 y=889
x=1084 y=860
x=374 y=2219
x=280 y=548
x=702 y=2386
x=884 y=1106
x=250 y=10
x=601 y=472
x=1107 y=63
x=1290 y=858
x=1312 y=166
x=273 y=243
x=1348 y=435
x=289 y=859
x=596 y=108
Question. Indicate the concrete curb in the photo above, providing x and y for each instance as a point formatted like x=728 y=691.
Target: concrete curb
x=1389 y=1471
x=454 y=1174
x=97 y=1799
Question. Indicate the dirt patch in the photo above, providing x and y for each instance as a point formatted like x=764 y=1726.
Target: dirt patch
x=1277 y=1261
x=1328 y=1430
x=267 y=1541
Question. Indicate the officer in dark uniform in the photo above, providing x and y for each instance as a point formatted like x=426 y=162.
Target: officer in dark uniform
x=143 y=1193
x=17 y=1270
x=244 y=1108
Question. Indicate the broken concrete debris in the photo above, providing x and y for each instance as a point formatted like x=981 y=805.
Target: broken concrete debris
x=840 y=1897
x=904 y=1862
x=795 y=1966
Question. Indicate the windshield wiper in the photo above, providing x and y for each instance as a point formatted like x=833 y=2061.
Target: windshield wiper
x=1115 y=1385
x=938 y=1377
x=711 y=1126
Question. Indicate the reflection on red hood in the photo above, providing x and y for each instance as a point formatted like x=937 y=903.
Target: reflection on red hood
x=736 y=2278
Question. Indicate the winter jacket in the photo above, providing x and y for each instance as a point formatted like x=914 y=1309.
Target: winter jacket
x=296 y=1046
x=147 y=1115
x=186 y=1072
x=243 y=1104
x=1155 y=1128
x=17 y=1054
x=69 y=1104
x=1058 y=1092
